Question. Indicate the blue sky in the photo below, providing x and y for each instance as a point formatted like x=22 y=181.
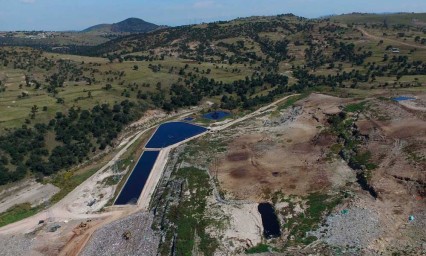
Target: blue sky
x=79 y=14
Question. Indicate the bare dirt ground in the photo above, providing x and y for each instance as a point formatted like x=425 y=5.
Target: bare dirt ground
x=397 y=139
x=289 y=152
x=26 y=192
x=245 y=227
x=281 y=153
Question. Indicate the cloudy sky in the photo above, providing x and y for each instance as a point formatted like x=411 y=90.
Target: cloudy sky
x=79 y=14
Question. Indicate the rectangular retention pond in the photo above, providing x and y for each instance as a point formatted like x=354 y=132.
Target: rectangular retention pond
x=136 y=182
x=173 y=132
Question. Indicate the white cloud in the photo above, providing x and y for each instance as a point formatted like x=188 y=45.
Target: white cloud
x=27 y=1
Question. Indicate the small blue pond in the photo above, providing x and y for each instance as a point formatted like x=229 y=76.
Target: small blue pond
x=136 y=182
x=216 y=115
x=171 y=133
x=402 y=98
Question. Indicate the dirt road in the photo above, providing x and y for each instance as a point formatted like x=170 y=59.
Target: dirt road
x=393 y=41
x=261 y=110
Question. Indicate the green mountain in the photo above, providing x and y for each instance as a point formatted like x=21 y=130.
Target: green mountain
x=131 y=25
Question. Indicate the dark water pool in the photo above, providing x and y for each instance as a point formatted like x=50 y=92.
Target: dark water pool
x=271 y=225
x=136 y=182
x=402 y=98
x=216 y=115
x=171 y=133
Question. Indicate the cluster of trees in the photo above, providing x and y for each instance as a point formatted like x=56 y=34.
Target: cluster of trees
x=77 y=133
x=142 y=57
x=244 y=93
x=420 y=40
x=25 y=59
x=346 y=53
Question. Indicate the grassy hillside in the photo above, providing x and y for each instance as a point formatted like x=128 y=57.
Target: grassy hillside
x=407 y=19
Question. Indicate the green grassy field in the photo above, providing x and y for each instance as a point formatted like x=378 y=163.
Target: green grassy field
x=76 y=94
x=17 y=213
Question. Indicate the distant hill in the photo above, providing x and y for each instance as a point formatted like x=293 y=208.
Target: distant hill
x=409 y=19
x=131 y=25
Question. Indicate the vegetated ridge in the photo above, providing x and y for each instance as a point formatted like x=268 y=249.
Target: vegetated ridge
x=130 y=25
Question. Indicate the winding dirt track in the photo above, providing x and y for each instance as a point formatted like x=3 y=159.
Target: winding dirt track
x=393 y=41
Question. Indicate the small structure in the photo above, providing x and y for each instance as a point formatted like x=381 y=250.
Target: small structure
x=91 y=203
x=395 y=50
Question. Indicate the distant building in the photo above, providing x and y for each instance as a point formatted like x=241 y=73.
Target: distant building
x=395 y=50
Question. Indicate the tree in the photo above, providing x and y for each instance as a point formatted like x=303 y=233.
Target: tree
x=34 y=110
x=417 y=39
x=108 y=87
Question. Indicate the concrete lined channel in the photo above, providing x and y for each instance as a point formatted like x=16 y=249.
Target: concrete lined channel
x=166 y=135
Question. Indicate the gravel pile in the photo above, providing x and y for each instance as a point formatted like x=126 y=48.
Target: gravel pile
x=129 y=236
x=354 y=227
x=15 y=245
x=289 y=116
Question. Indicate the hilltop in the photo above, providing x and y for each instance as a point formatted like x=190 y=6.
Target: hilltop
x=407 y=19
x=130 y=25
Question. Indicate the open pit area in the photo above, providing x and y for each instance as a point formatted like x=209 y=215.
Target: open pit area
x=281 y=151
x=310 y=167
x=345 y=176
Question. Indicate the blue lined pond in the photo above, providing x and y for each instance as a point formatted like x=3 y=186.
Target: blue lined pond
x=167 y=134
x=136 y=182
x=216 y=115
x=173 y=132
x=402 y=98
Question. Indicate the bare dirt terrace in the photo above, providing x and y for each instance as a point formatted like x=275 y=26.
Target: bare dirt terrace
x=281 y=153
